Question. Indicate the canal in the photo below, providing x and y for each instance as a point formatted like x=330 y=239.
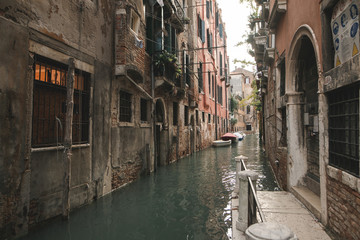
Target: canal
x=189 y=199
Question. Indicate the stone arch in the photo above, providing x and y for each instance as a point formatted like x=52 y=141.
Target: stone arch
x=302 y=92
x=295 y=46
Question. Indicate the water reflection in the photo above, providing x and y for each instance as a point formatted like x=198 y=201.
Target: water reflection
x=186 y=200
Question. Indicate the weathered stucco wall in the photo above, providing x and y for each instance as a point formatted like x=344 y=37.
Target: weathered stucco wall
x=58 y=30
x=14 y=163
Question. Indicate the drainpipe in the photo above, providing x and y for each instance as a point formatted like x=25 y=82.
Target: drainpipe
x=153 y=110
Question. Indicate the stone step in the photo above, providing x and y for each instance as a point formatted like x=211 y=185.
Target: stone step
x=309 y=199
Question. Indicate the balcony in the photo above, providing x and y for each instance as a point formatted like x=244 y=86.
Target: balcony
x=175 y=13
x=278 y=10
x=166 y=70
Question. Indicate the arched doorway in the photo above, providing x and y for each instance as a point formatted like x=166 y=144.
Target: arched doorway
x=161 y=134
x=308 y=84
x=302 y=108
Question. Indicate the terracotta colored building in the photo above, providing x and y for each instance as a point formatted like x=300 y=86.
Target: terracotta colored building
x=213 y=72
x=310 y=92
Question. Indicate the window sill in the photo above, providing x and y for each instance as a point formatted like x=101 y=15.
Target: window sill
x=145 y=125
x=56 y=148
x=126 y=124
x=344 y=177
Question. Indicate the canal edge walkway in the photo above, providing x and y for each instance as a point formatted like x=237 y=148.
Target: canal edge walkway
x=282 y=207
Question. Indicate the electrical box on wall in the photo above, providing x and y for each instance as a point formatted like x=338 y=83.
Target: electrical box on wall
x=316 y=124
x=306 y=119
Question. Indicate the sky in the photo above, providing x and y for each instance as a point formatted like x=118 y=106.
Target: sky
x=235 y=16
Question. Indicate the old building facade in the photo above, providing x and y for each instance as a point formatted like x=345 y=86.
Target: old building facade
x=213 y=65
x=133 y=107
x=241 y=88
x=309 y=90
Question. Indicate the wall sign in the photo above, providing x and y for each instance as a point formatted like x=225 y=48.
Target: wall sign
x=345 y=30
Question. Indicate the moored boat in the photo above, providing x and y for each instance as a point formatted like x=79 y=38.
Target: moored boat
x=221 y=143
x=230 y=136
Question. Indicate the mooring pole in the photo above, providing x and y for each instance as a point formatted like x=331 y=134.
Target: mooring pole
x=68 y=137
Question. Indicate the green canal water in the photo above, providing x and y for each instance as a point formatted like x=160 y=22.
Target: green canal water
x=189 y=199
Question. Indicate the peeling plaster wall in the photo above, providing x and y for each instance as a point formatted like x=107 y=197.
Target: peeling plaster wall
x=32 y=189
x=14 y=163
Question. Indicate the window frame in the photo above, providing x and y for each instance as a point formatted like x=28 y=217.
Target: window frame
x=343 y=118
x=48 y=123
x=127 y=104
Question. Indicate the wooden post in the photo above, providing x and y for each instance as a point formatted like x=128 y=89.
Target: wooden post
x=68 y=137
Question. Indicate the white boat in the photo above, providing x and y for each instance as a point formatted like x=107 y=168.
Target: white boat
x=221 y=143
x=240 y=135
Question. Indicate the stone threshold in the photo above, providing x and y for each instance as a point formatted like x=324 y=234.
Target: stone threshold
x=309 y=199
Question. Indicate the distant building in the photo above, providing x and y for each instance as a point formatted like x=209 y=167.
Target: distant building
x=241 y=89
x=212 y=63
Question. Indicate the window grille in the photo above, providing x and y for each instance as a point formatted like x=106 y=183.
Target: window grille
x=125 y=107
x=344 y=129
x=49 y=104
x=143 y=110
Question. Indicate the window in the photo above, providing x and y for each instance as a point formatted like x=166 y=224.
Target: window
x=175 y=113
x=134 y=22
x=125 y=107
x=248 y=109
x=209 y=40
x=209 y=80
x=213 y=85
x=247 y=80
x=187 y=70
x=207 y=9
x=282 y=78
x=143 y=110
x=217 y=18
x=220 y=95
x=200 y=77
x=209 y=118
x=201 y=29
x=221 y=63
x=49 y=104
x=203 y=116
x=197 y=117
x=170 y=43
x=221 y=30
x=186 y=115
x=344 y=129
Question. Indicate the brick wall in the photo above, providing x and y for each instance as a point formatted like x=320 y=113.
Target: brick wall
x=126 y=51
x=343 y=209
x=126 y=174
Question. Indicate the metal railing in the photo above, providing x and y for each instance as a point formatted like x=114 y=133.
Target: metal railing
x=253 y=201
